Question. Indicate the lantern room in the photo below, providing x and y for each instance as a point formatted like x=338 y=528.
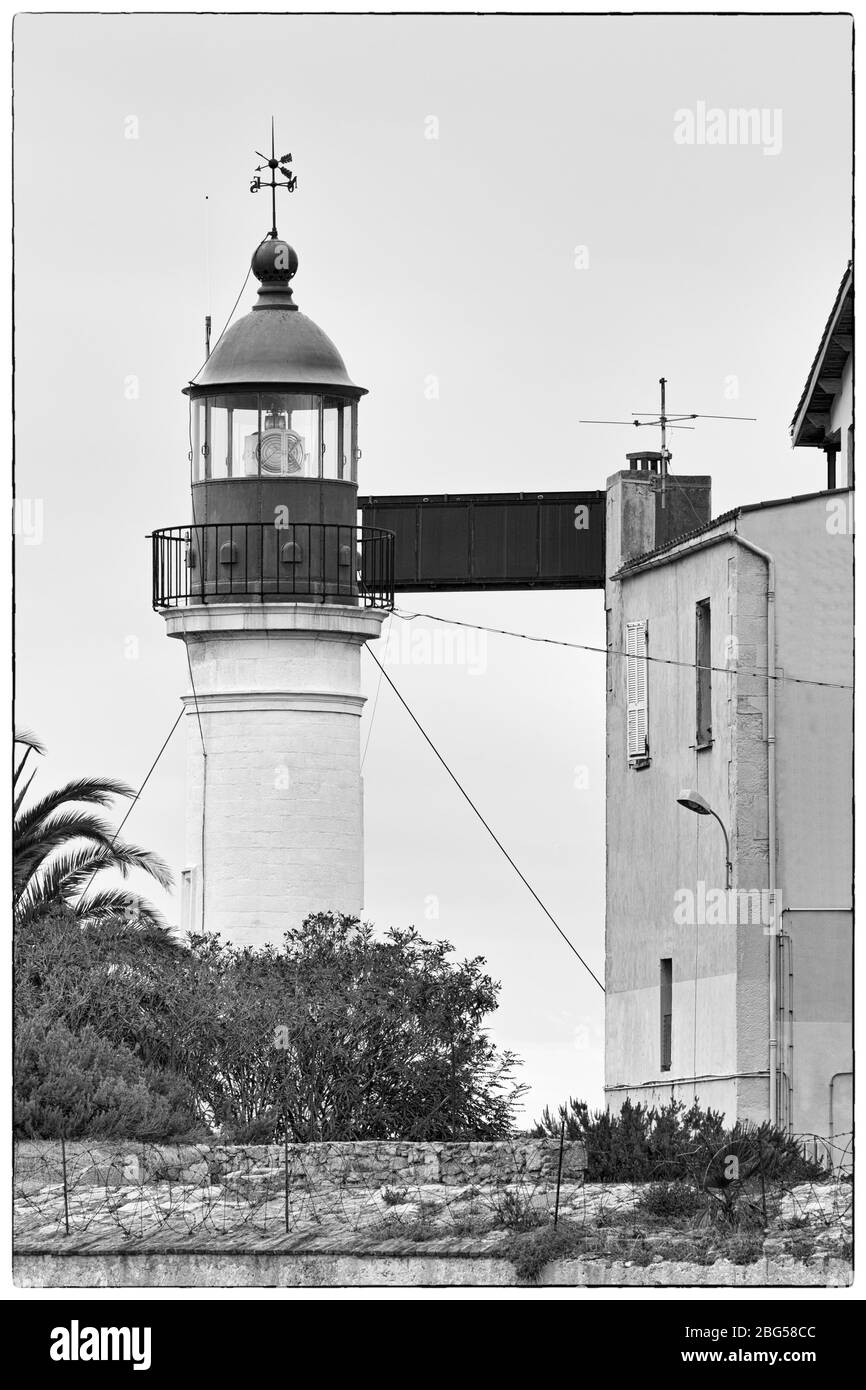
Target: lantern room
x=273 y=452
x=274 y=399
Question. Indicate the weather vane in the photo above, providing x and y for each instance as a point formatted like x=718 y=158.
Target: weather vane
x=281 y=165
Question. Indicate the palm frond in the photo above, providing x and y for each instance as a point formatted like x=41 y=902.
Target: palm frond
x=59 y=879
x=124 y=857
x=50 y=869
x=25 y=737
x=20 y=795
x=32 y=850
x=132 y=931
x=97 y=791
x=118 y=903
x=70 y=873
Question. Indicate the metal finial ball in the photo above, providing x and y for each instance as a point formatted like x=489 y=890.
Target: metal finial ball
x=274 y=261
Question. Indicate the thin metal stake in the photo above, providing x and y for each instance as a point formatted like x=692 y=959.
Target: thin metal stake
x=286 y=1167
x=65 y=1188
x=559 y=1171
x=763 y=1186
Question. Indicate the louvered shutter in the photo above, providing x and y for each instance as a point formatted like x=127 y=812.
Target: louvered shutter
x=636 y=679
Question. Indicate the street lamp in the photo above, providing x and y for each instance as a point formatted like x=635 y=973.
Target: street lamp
x=693 y=801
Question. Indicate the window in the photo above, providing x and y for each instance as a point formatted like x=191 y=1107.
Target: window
x=703 y=675
x=666 y=991
x=187 y=900
x=636 y=681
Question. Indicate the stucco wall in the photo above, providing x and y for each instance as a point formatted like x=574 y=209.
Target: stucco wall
x=841 y=417
x=277 y=694
x=812 y=544
x=720 y=973
x=656 y=849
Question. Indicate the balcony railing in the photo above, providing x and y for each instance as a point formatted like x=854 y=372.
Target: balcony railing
x=306 y=562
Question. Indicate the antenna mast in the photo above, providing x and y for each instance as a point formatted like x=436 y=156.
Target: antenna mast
x=666 y=422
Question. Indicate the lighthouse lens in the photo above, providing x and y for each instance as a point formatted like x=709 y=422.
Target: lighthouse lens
x=274 y=434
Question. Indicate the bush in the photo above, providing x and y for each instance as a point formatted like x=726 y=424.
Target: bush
x=671 y=1142
x=744 y=1249
x=78 y=1085
x=530 y=1251
x=516 y=1213
x=670 y=1202
x=418 y=1228
x=393 y=1196
x=337 y=1034
x=800 y=1247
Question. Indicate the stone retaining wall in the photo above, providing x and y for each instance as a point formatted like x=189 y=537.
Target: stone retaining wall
x=364 y=1162
x=398 y=1268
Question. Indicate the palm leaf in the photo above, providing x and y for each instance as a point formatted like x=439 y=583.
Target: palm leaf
x=30 y=853
x=25 y=737
x=16 y=806
x=50 y=870
x=64 y=875
x=119 y=903
x=97 y=791
x=133 y=933
x=70 y=873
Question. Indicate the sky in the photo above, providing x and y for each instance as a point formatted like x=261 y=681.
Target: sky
x=500 y=231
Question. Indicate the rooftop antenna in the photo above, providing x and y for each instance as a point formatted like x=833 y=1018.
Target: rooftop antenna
x=665 y=421
x=207 y=317
x=281 y=165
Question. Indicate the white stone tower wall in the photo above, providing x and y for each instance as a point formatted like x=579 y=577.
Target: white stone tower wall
x=279 y=793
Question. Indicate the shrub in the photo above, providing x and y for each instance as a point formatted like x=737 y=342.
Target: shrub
x=800 y=1247
x=530 y=1251
x=262 y=1129
x=697 y=1248
x=337 y=1034
x=745 y=1248
x=516 y=1213
x=393 y=1196
x=670 y=1202
x=78 y=1085
x=469 y=1226
x=393 y=1227
x=795 y=1223
x=671 y=1142
x=641 y=1253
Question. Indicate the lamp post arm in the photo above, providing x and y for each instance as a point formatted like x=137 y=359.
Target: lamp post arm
x=728 y=865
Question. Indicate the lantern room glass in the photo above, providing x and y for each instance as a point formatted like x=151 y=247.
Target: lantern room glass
x=273 y=434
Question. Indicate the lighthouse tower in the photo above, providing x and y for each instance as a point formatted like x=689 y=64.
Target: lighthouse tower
x=273 y=589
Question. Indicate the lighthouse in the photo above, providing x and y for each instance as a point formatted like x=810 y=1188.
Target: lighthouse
x=273 y=589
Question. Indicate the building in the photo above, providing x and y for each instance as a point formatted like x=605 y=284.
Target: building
x=273 y=589
x=729 y=795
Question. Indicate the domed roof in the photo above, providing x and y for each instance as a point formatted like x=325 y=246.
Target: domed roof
x=275 y=344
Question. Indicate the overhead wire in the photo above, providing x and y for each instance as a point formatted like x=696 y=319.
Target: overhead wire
x=463 y=792
x=134 y=799
x=378 y=688
x=617 y=651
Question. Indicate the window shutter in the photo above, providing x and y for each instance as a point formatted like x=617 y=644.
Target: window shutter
x=636 y=679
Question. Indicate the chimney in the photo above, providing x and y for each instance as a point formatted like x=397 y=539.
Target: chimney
x=648 y=507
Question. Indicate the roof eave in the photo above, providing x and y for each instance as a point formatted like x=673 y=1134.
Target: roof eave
x=801 y=425
x=195 y=390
